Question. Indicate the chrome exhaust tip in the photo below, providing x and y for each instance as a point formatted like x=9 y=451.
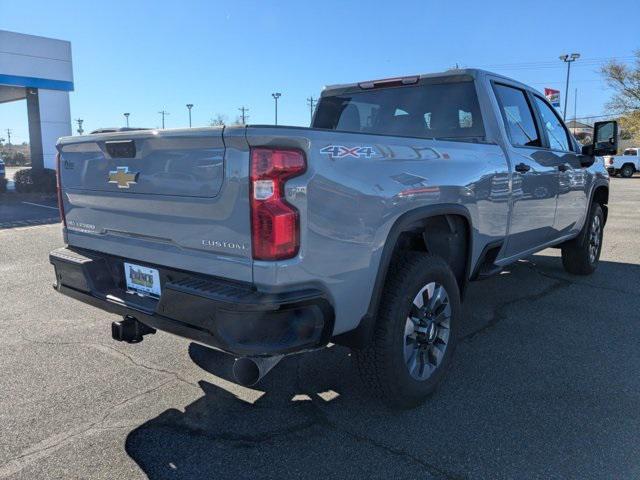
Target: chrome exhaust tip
x=248 y=371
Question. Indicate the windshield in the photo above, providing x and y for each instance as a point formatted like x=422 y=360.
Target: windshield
x=444 y=110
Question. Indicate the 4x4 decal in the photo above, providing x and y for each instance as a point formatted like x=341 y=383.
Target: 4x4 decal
x=341 y=151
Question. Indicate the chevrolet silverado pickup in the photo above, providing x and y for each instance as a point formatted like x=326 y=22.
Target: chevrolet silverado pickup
x=362 y=230
x=625 y=165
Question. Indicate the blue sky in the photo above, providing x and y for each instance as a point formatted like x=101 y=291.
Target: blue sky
x=141 y=57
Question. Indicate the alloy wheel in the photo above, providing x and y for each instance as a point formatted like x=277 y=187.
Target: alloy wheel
x=427 y=331
x=595 y=238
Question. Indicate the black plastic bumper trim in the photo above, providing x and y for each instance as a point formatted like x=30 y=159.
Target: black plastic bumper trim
x=229 y=316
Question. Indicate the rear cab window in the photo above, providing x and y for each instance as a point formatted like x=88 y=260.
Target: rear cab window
x=447 y=110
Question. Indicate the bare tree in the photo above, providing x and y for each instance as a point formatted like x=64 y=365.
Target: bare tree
x=625 y=81
x=218 y=120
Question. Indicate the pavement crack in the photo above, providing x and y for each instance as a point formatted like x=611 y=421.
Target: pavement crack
x=322 y=420
x=153 y=368
x=500 y=310
x=534 y=267
x=119 y=353
x=53 y=443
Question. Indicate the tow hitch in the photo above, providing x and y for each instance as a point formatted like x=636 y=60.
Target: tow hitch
x=130 y=330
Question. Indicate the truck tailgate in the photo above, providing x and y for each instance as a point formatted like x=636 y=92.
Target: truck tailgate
x=176 y=198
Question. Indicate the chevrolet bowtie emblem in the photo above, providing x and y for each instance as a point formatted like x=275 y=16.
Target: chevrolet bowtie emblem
x=122 y=177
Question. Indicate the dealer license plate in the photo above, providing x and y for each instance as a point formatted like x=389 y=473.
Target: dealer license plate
x=142 y=280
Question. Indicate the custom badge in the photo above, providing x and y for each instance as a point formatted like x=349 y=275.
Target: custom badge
x=122 y=177
x=341 y=151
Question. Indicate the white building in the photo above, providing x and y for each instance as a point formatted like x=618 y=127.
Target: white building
x=39 y=70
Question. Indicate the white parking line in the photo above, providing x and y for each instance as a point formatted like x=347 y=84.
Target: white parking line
x=38 y=205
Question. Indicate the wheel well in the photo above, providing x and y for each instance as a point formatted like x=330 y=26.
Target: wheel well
x=446 y=236
x=601 y=196
x=630 y=164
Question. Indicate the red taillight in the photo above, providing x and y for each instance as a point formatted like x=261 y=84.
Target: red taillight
x=59 y=189
x=275 y=224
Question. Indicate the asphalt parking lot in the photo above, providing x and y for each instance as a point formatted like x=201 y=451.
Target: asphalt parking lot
x=545 y=385
x=24 y=210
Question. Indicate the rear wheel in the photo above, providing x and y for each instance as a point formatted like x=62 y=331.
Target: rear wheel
x=580 y=256
x=627 y=171
x=416 y=331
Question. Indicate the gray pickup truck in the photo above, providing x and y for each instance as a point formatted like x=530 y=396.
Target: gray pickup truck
x=362 y=230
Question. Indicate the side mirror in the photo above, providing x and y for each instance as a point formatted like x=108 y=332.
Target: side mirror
x=605 y=139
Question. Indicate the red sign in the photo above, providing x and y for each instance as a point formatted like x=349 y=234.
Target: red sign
x=553 y=96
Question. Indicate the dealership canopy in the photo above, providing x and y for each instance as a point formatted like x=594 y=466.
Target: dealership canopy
x=39 y=70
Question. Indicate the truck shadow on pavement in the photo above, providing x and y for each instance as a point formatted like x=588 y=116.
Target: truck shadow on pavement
x=536 y=389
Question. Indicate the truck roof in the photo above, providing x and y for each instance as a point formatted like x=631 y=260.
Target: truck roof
x=453 y=74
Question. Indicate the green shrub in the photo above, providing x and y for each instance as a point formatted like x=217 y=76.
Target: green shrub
x=35 y=181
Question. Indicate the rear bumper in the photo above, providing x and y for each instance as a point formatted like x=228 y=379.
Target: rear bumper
x=229 y=316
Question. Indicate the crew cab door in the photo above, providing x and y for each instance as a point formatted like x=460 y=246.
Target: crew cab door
x=534 y=177
x=572 y=177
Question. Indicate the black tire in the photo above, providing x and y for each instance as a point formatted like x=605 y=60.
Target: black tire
x=627 y=171
x=578 y=255
x=383 y=365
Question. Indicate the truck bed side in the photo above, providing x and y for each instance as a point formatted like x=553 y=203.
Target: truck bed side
x=348 y=204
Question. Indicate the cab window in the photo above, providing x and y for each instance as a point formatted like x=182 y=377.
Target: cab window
x=448 y=110
x=551 y=123
x=517 y=116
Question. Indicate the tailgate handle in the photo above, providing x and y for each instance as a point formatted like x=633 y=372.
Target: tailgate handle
x=121 y=148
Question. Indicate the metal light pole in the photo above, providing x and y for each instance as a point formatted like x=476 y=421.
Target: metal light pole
x=126 y=117
x=575 y=111
x=189 y=107
x=568 y=59
x=80 y=129
x=163 y=113
x=311 y=102
x=276 y=96
x=244 y=116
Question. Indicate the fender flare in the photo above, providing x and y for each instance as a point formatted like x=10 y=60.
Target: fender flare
x=363 y=333
x=599 y=183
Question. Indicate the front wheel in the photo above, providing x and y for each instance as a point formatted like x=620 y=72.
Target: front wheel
x=416 y=331
x=581 y=255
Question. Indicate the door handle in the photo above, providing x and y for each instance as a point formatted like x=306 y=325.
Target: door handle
x=563 y=168
x=523 y=168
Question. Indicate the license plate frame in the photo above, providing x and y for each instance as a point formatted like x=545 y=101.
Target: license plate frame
x=141 y=280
